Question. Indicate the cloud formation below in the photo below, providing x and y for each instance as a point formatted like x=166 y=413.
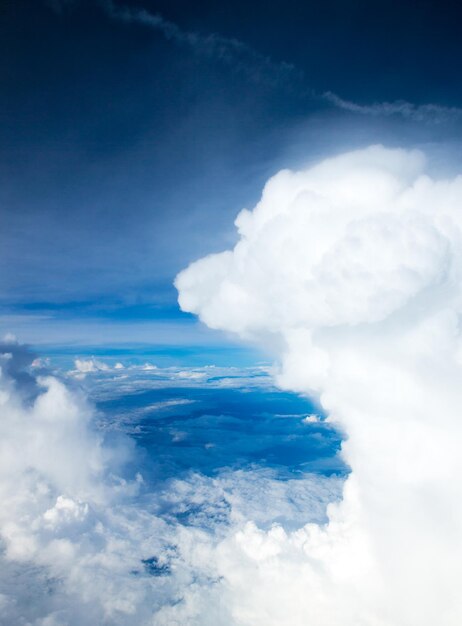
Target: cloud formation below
x=351 y=271
x=84 y=539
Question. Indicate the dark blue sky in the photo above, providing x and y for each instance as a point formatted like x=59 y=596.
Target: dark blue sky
x=128 y=142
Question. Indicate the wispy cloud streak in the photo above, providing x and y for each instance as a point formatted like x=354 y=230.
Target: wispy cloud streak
x=261 y=69
x=232 y=52
x=419 y=113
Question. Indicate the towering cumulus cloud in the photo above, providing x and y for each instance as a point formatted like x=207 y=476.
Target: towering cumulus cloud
x=351 y=272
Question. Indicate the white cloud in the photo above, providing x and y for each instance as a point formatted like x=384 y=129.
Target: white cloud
x=192 y=374
x=81 y=543
x=86 y=366
x=149 y=366
x=311 y=419
x=61 y=526
x=351 y=272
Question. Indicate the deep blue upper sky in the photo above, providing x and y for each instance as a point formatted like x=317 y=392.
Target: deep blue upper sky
x=126 y=149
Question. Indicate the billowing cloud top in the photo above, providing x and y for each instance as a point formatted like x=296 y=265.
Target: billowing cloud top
x=351 y=240
x=351 y=272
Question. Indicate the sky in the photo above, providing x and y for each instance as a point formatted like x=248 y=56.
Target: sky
x=231 y=310
x=132 y=134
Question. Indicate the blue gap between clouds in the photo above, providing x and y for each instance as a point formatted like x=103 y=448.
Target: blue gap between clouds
x=184 y=429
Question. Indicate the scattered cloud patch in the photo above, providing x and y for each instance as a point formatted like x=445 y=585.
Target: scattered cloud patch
x=149 y=367
x=192 y=374
x=311 y=419
x=86 y=366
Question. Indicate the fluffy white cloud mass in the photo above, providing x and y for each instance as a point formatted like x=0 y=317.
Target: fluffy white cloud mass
x=351 y=273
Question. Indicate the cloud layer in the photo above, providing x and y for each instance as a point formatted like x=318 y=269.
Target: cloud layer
x=350 y=273
x=85 y=538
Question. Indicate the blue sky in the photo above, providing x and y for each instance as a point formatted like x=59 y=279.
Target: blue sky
x=129 y=145
x=154 y=471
